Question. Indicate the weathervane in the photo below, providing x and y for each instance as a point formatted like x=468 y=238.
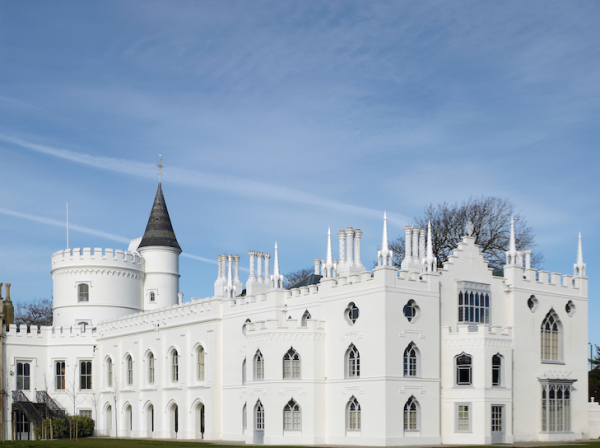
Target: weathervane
x=160 y=167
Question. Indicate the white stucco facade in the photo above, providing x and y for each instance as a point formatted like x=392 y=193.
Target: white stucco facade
x=413 y=366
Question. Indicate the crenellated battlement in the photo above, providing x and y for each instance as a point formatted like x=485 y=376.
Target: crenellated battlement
x=97 y=257
x=44 y=335
x=163 y=317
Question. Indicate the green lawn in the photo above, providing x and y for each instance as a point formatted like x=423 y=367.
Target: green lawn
x=128 y=443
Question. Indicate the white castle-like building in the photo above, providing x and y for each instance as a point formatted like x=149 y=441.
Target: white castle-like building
x=414 y=355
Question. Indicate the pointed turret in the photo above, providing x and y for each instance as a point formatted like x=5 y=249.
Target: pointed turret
x=276 y=278
x=384 y=256
x=329 y=258
x=430 y=260
x=159 y=230
x=579 y=267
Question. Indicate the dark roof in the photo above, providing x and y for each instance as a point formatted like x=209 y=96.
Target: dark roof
x=312 y=279
x=159 y=231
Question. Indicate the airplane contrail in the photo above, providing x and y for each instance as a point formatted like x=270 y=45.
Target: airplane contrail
x=87 y=230
x=230 y=184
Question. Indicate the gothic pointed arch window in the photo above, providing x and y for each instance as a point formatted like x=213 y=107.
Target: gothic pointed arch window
x=109 y=372
x=352 y=362
x=411 y=360
x=174 y=366
x=129 y=370
x=200 y=358
x=244 y=418
x=550 y=337
x=464 y=373
x=259 y=366
x=353 y=422
x=497 y=370
x=151 y=368
x=291 y=364
x=259 y=411
x=292 y=416
x=411 y=415
x=305 y=318
x=244 y=371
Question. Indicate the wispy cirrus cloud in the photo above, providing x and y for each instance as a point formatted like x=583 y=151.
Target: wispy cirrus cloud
x=230 y=184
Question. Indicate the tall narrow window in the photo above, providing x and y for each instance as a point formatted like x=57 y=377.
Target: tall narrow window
x=59 y=375
x=83 y=292
x=129 y=371
x=244 y=371
x=474 y=306
x=85 y=375
x=352 y=362
x=109 y=372
x=556 y=407
x=259 y=366
x=410 y=360
x=292 y=416
x=291 y=364
x=353 y=415
x=260 y=416
x=23 y=376
x=152 y=296
x=463 y=417
x=411 y=415
x=151 y=368
x=496 y=370
x=550 y=337
x=175 y=366
x=463 y=370
x=244 y=418
x=200 y=355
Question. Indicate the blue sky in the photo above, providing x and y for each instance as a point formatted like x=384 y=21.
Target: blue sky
x=278 y=119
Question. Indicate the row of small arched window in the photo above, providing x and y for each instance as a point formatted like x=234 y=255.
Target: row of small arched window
x=151 y=373
x=292 y=415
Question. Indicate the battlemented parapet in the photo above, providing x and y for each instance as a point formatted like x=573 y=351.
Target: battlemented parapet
x=96 y=257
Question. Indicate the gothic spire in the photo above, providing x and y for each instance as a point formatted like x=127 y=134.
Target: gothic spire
x=384 y=240
x=512 y=247
x=159 y=230
x=276 y=263
x=579 y=267
x=329 y=259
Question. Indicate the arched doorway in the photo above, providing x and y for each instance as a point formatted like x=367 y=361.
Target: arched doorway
x=200 y=426
x=109 y=420
x=174 y=414
x=150 y=421
x=128 y=421
x=259 y=422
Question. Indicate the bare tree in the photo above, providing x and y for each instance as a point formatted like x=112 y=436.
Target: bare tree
x=116 y=393
x=38 y=312
x=95 y=399
x=292 y=278
x=72 y=389
x=491 y=217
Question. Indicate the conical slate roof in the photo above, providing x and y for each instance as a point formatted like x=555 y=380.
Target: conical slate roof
x=159 y=231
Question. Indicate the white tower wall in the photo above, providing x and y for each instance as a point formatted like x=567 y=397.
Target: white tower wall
x=114 y=279
x=162 y=276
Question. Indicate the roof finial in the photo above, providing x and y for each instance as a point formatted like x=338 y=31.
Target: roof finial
x=579 y=267
x=160 y=167
x=384 y=240
x=329 y=259
x=579 y=251
x=276 y=263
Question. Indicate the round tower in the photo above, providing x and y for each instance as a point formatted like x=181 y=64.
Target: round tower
x=94 y=285
x=160 y=250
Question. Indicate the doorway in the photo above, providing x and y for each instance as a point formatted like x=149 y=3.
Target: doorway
x=498 y=424
x=22 y=426
x=150 y=422
x=174 y=421
x=200 y=426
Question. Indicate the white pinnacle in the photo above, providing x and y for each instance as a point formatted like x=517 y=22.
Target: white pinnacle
x=276 y=264
x=384 y=241
x=513 y=247
x=429 y=243
x=329 y=260
x=579 y=252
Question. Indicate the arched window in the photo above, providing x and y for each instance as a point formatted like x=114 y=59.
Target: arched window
x=556 y=407
x=550 y=337
x=305 y=318
x=260 y=416
x=411 y=415
x=259 y=366
x=496 y=370
x=474 y=307
x=151 y=368
x=292 y=416
x=129 y=370
x=463 y=369
x=200 y=355
x=411 y=311
x=244 y=371
x=411 y=360
x=175 y=366
x=109 y=372
x=83 y=292
x=152 y=296
x=353 y=415
x=352 y=362
x=244 y=418
x=291 y=364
